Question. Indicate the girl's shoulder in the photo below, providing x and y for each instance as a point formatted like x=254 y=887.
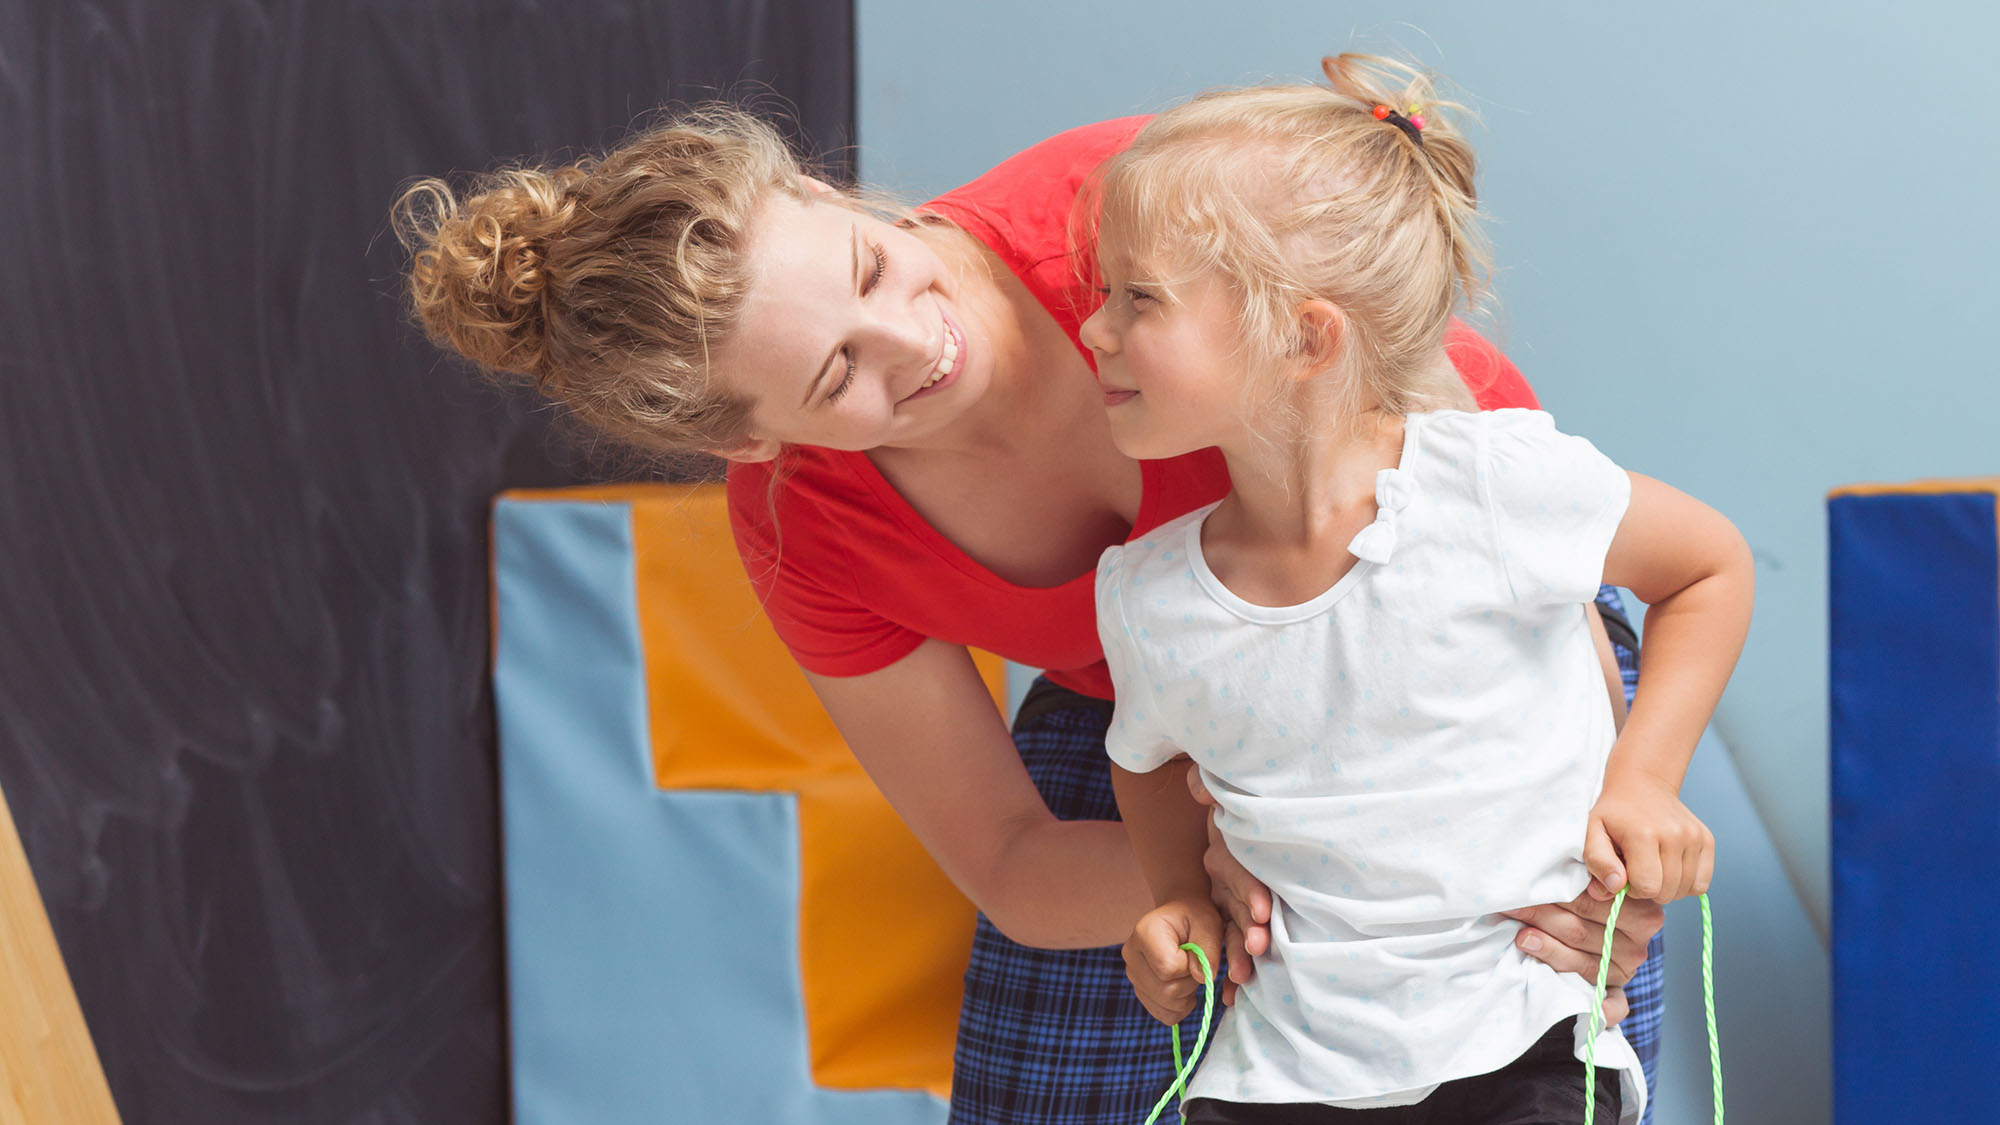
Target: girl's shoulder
x=1166 y=544
x=1470 y=436
x=1471 y=453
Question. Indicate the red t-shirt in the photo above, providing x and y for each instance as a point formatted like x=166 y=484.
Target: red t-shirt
x=854 y=579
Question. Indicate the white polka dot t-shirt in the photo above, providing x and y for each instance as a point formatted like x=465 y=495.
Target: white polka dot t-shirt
x=1399 y=759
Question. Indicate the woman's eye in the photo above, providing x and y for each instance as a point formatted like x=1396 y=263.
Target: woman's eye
x=845 y=382
x=881 y=267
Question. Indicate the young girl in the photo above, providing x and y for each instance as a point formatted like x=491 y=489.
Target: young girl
x=1375 y=648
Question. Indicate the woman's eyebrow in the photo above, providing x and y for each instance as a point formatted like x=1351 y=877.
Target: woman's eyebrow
x=854 y=250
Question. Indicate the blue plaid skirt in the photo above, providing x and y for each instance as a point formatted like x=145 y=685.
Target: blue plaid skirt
x=1056 y=1036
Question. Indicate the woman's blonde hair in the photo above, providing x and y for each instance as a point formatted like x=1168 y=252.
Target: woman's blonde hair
x=607 y=281
x=1297 y=192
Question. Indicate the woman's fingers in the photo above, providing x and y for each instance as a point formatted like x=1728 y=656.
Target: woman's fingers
x=1567 y=951
x=1616 y=1007
x=1569 y=937
x=1237 y=893
x=1197 y=790
x=1239 y=960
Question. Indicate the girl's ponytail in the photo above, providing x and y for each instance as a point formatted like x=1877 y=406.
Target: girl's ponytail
x=1439 y=146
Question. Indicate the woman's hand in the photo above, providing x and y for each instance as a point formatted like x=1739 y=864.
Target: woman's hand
x=1244 y=901
x=1616 y=1007
x=1569 y=937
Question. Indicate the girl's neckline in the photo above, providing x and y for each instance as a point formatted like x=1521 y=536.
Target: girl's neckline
x=1318 y=603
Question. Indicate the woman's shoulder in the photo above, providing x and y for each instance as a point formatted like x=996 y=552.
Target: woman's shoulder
x=1021 y=208
x=1487 y=372
x=806 y=491
x=1047 y=166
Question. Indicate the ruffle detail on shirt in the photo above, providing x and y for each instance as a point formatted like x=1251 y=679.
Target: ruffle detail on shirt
x=1377 y=542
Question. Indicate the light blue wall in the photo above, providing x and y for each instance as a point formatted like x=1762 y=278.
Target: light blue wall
x=1746 y=248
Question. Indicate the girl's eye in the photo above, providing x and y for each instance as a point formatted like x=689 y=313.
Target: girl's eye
x=1129 y=294
x=845 y=382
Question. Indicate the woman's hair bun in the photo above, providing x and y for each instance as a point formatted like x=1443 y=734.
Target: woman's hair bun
x=478 y=272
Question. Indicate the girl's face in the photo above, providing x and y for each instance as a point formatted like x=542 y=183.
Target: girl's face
x=1171 y=369
x=851 y=336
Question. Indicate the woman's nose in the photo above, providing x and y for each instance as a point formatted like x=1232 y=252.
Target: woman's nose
x=908 y=338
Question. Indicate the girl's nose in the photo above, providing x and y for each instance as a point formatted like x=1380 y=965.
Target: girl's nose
x=1096 y=335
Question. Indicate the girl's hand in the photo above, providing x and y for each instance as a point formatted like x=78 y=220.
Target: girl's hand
x=1569 y=937
x=1667 y=853
x=1244 y=901
x=1166 y=977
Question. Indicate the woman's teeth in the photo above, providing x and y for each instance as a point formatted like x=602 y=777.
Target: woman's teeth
x=945 y=363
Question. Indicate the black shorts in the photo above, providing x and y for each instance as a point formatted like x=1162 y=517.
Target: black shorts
x=1542 y=1087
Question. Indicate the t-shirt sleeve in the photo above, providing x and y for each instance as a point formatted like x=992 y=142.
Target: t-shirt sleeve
x=828 y=631
x=1556 y=502
x=1491 y=377
x=1133 y=740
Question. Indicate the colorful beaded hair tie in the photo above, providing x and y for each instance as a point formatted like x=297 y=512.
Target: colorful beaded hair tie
x=1412 y=124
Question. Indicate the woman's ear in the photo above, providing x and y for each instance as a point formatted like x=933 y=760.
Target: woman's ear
x=1322 y=331
x=750 y=450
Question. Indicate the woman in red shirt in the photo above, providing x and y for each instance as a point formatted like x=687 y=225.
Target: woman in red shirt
x=920 y=464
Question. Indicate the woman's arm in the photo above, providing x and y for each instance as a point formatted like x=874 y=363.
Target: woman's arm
x=926 y=730
x=1607 y=657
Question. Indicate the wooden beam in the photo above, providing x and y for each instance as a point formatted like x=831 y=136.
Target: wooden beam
x=49 y=1072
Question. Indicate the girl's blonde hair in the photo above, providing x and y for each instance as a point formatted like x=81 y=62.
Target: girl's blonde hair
x=607 y=281
x=1299 y=192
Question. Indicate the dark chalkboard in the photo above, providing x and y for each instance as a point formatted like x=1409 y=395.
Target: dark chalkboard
x=244 y=721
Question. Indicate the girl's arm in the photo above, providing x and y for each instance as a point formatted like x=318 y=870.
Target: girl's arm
x=1694 y=571
x=1169 y=834
x=1169 y=831
x=926 y=730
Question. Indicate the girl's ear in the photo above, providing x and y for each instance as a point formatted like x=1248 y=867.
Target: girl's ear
x=817 y=186
x=1322 y=331
x=750 y=450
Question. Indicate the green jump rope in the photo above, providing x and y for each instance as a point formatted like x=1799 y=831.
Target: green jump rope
x=1182 y=1070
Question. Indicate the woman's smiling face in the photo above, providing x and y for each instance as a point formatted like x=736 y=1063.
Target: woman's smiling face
x=851 y=335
